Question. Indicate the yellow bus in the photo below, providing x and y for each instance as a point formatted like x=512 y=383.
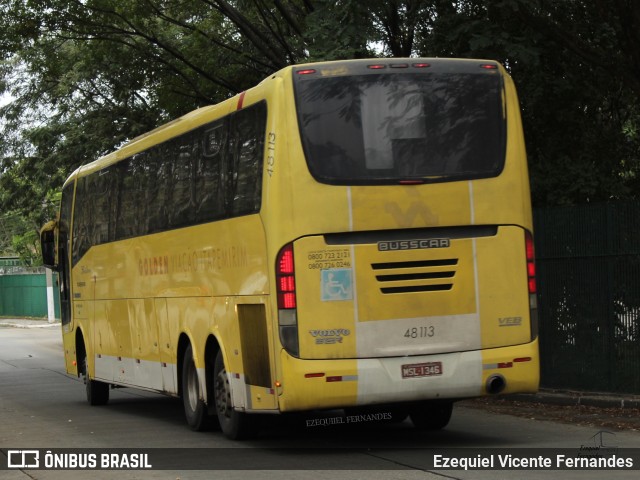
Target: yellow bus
x=345 y=235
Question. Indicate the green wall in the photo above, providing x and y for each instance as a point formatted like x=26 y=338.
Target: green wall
x=26 y=296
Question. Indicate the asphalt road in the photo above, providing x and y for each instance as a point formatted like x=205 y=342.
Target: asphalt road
x=43 y=408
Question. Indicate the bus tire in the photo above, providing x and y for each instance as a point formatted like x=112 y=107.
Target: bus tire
x=398 y=414
x=195 y=410
x=431 y=415
x=235 y=425
x=97 y=392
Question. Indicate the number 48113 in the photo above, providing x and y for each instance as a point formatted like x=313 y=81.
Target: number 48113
x=420 y=332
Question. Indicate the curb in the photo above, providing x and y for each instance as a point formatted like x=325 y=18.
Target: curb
x=601 y=400
x=24 y=325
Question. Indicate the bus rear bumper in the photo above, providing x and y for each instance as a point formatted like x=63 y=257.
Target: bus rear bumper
x=319 y=384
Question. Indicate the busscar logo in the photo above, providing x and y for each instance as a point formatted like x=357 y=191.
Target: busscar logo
x=394 y=245
x=23 y=459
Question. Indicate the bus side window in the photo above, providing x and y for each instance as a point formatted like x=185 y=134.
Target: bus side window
x=126 y=212
x=81 y=234
x=183 y=153
x=158 y=190
x=101 y=193
x=141 y=178
x=246 y=159
x=64 y=233
x=210 y=203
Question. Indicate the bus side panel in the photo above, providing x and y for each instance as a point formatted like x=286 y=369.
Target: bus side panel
x=70 y=349
x=256 y=380
x=167 y=348
x=144 y=334
x=254 y=344
x=114 y=346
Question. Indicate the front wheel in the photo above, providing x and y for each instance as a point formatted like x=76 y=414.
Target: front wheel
x=235 y=425
x=431 y=415
x=97 y=392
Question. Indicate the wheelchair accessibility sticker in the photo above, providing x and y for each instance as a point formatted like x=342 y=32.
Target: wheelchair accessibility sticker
x=336 y=284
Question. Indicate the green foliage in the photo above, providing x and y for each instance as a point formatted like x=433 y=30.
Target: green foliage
x=27 y=246
x=572 y=64
x=85 y=76
x=339 y=30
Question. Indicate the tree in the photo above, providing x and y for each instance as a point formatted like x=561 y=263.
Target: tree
x=85 y=76
x=573 y=63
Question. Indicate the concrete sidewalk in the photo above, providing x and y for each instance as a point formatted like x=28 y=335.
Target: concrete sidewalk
x=28 y=323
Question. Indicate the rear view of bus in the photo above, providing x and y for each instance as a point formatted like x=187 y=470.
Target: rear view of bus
x=405 y=274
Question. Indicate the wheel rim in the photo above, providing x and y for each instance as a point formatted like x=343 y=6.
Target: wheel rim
x=192 y=387
x=223 y=393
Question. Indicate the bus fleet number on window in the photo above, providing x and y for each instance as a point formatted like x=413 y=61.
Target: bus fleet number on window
x=271 y=149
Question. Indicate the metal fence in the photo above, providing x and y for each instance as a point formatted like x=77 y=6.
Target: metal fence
x=588 y=270
x=23 y=293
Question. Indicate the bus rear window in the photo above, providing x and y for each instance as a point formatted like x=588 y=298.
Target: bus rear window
x=391 y=127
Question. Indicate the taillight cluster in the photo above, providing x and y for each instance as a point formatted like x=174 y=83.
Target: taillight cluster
x=531 y=283
x=286 y=279
x=287 y=301
x=531 y=263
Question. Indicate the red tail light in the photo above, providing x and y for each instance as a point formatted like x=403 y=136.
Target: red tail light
x=531 y=263
x=286 y=281
x=287 y=301
x=531 y=283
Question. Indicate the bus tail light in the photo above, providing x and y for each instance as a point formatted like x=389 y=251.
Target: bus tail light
x=287 y=300
x=531 y=283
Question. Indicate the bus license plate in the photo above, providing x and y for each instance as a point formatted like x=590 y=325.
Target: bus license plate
x=422 y=370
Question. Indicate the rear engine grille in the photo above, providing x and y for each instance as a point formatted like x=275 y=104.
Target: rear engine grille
x=423 y=277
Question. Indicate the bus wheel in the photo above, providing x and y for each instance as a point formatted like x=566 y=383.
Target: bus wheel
x=431 y=415
x=195 y=409
x=97 y=392
x=235 y=425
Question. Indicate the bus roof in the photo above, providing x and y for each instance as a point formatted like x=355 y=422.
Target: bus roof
x=209 y=113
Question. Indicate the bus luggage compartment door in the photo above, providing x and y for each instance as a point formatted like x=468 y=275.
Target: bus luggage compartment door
x=384 y=294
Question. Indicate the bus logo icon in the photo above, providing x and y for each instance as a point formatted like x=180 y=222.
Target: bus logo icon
x=23 y=459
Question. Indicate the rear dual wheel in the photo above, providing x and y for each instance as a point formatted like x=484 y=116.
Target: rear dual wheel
x=235 y=425
x=195 y=410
